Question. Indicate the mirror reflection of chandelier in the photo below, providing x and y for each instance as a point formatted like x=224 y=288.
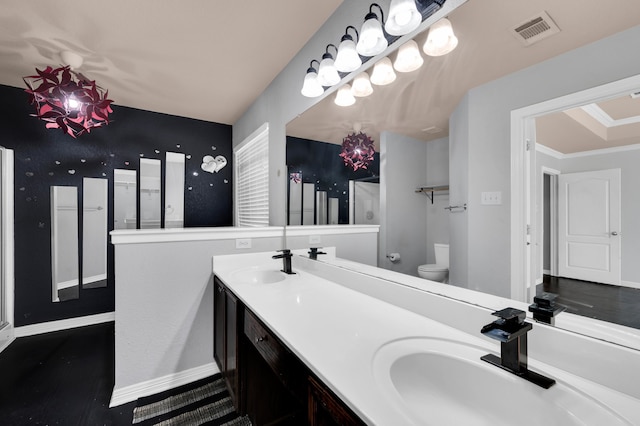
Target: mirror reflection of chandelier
x=357 y=150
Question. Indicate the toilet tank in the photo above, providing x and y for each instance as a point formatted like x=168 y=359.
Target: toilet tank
x=442 y=254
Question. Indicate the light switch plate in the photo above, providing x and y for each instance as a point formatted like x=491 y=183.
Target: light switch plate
x=243 y=243
x=315 y=239
x=492 y=198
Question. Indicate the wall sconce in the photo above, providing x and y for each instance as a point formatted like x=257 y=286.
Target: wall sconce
x=403 y=17
x=361 y=86
x=66 y=99
x=441 y=39
x=383 y=73
x=311 y=88
x=344 y=97
x=327 y=72
x=372 y=40
x=347 y=59
x=409 y=58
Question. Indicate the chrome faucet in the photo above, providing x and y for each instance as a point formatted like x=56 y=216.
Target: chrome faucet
x=313 y=253
x=511 y=330
x=286 y=260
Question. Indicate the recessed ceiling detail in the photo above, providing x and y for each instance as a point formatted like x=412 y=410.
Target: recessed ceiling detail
x=535 y=29
x=605 y=119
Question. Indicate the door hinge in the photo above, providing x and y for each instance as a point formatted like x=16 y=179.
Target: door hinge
x=527 y=144
x=528 y=229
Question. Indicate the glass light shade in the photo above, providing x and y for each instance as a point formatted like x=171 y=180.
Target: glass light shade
x=403 y=17
x=347 y=59
x=311 y=88
x=372 y=40
x=327 y=72
x=361 y=85
x=344 y=96
x=383 y=73
x=409 y=58
x=441 y=39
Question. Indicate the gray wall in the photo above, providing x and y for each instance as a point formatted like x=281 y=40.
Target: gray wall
x=403 y=212
x=437 y=174
x=484 y=117
x=628 y=162
x=164 y=300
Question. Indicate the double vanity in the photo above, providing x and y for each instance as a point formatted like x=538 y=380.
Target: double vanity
x=339 y=342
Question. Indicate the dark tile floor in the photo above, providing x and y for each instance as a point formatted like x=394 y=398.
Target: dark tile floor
x=620 y=305
x=61 y=378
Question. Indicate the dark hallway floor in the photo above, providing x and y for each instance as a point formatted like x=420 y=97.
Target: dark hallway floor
x=61 y=378
x=620 y=305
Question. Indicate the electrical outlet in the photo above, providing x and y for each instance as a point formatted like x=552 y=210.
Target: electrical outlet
x=492 y=198
x=315 y=239
x=243 y=243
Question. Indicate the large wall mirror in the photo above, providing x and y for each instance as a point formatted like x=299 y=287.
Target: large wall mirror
x=150 y=193
x=95 y=208
x=417 y=107
x=125 y=193
x=174 y=190
x=64 y=243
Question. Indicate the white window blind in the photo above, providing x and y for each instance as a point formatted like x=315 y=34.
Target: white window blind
x=252 y=179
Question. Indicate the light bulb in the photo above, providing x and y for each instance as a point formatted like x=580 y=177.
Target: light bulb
x=361 y=85
x=344 y=96
x=441 y=39
x=383 y=73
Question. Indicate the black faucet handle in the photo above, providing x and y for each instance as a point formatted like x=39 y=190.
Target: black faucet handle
x=511 y=315
x=285 y=251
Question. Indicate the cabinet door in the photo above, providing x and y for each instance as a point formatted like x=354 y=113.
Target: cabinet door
x=324 y=409
x=219 y=323
x=231 y=346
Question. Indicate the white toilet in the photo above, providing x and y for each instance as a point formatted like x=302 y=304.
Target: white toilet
x=438 y=271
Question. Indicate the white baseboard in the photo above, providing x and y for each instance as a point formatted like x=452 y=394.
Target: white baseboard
x=48 y=327
x=161 y=384
x=630 y=284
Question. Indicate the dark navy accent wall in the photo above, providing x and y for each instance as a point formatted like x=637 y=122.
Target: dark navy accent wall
x=320 y=163
x=46 y=157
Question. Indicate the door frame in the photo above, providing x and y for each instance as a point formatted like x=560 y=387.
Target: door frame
x=522 y=170
x=553 y=222
x=7 y=273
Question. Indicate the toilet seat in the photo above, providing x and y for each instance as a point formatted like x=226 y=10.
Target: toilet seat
x=433 y=267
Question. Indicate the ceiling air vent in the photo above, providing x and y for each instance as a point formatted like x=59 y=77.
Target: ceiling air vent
x=535 y=29
x=635 y=95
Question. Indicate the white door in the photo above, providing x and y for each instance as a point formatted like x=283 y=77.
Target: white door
x=589 y=226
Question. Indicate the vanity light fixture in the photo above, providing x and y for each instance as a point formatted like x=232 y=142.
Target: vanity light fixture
x=441 y=39
x=403 y=17
x=327 y=72
x=311 y=88
x=67 y=100
x=409 y=58
x=361 y=86
x=383 y=73
x=372 y=40
x=344 y=97
x=347 y=59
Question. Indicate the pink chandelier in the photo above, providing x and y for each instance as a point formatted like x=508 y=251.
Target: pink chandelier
x=357 y=150
x=67 y=100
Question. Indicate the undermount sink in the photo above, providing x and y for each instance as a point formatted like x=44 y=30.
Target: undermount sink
x=258 y=276
x=442 y=382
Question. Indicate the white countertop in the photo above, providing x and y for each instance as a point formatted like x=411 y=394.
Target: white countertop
x=336 y=331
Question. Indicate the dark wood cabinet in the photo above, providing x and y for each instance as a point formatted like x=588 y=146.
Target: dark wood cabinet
x=225 y=339
x=325 y=409
x=265 y=379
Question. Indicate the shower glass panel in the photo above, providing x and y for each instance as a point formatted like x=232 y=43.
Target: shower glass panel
x=364 y=203
x=64 y=243
x=94 y=232
x=150 y=203
x=174 y=190
x=124 y=203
